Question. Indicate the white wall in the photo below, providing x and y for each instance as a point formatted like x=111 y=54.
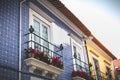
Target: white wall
x=60 y=36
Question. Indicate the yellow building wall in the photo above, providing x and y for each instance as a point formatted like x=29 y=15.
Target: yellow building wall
x=102 y=59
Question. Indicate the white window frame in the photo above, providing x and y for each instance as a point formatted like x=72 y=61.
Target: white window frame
x=41 y=28
x=77 y=45
x=32 y=15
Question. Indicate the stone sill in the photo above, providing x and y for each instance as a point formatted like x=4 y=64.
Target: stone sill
x=44 y=67
x=78 y=78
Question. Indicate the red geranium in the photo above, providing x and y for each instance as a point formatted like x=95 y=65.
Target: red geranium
x=82 y=73
x=78 y=73
x=74 y=73
x=42 y=56
x=57 y=62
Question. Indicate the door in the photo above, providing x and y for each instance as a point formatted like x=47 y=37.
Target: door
x=77 y=51
x=41 y=36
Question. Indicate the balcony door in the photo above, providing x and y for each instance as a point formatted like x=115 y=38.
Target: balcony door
x=78 y=56
x=97 y=69
x=42 y=31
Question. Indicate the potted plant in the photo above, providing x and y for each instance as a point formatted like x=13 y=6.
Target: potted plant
x=31 y=52
x=81 y=75
x=42 y=56
x=57 y=62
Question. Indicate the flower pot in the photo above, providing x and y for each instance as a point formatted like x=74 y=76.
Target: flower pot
x=31 y=55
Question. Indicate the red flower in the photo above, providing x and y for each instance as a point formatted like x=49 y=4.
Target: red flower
x=82 y=73
x=78 y=73
x=57 y=62
x=35 y=52
x=32 y=49
x=74 y=73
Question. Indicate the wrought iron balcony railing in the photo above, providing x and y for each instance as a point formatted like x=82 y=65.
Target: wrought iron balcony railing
x=100 y=76
x=42 y=52
x=81 y=65
x=81 y=70
x=44 y=45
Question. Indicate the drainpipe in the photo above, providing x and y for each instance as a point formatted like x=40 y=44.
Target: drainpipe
x=20 y=33
x=90 y=38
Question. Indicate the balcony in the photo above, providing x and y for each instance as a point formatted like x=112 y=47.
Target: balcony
x=101 y=76
x=43 y=56
x=44 y=67
x=81 y=70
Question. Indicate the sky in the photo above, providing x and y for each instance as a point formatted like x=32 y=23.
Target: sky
x=102 y=18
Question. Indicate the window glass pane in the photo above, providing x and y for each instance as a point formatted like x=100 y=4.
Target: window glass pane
x=77 y=51
x=42 y=31
x=36 y=26
x=45 y=32
x=37 y=32
x=45 y=36
x=79 y=67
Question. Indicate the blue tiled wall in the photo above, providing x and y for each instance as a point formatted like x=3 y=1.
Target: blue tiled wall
x=9 y=32
x=68 y=65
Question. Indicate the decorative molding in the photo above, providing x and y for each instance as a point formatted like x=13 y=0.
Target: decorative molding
x=108 y=64
x=94 y=53
x=76 y=39
x=40 y=12
x=44 y=67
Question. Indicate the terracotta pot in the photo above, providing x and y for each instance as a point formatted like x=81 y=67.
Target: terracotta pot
x=31 y=55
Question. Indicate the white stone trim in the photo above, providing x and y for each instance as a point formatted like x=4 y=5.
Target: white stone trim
x=38 y=15
x=40 y=12
x=78 y=45
x=46 y=68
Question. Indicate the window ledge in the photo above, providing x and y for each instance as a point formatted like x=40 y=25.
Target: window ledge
x=78 y=78
x=44 y=67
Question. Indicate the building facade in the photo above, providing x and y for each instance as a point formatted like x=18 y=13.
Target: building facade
x=101 y=61
x=41 y=40
x=117 y=68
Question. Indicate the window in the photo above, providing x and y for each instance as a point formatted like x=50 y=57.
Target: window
x=78 y=59
x=97 y=69
x=42 y=32
x=108 y=73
